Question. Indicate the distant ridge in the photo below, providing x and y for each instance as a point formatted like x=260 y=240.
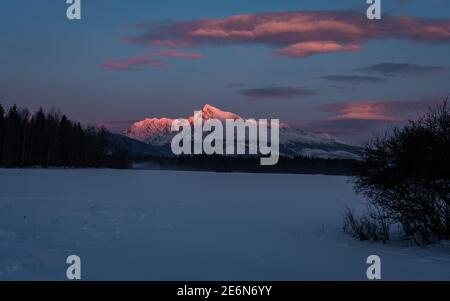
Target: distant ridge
x=294 y=141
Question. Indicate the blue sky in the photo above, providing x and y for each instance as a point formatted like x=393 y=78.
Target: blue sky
x=50 y=61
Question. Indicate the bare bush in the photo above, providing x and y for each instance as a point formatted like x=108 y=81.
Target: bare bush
x=368 y=226
x=406 y=175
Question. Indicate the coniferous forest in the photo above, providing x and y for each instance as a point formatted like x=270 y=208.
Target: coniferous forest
x=49 y=139
x=220 y=163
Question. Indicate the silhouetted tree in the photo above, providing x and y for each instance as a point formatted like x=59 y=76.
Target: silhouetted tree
x=406 y=175
x=51 y=139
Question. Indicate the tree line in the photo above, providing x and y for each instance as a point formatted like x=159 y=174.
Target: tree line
x=221 y=163
x=48 y=139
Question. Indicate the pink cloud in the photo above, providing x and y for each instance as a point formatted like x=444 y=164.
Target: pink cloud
x=149 y=60
x=309 y=48
x=375 y=110
x=133 y=63
x=294 y=34
x=179 y=54
x=365 y=111
x=358 y=120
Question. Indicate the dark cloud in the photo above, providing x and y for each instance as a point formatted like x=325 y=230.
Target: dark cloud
x=355 y=131
x=354 y=79
x=277 y=92
x=395 y=69
x=346 y=126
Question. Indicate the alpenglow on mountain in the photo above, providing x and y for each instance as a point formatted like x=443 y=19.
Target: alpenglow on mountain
x=294 y=141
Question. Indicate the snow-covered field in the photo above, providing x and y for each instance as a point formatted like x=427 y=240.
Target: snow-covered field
x=169 y=225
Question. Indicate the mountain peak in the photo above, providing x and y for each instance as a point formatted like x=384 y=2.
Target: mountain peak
x=208 y=107
x=210 y=111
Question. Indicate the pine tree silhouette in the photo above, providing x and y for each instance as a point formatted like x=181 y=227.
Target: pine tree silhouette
x=51 y=139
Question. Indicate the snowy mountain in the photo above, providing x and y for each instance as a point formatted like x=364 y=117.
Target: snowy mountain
x=210 y=112
x=294 y=141
x=156 y=131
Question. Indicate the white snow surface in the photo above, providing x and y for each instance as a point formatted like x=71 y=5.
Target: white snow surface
x=173 y=225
